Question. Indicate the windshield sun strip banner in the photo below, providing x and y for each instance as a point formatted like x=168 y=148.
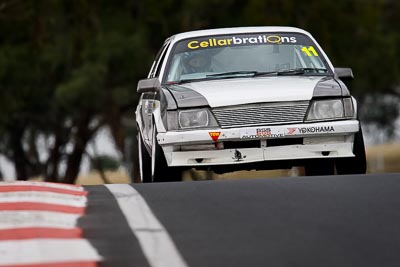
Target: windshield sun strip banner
x=219 y=41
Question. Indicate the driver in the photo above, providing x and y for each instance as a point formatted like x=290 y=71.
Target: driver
x=197 y=62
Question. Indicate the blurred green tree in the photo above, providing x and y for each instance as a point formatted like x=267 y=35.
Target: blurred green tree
x=67 y=68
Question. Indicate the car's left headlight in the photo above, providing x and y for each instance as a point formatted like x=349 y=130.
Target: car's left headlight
x=191 y=119
x=330 y=109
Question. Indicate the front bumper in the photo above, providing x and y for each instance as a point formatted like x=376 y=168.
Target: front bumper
x=205 y=147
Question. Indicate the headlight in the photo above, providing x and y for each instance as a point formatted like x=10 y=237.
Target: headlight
x=191 y=119
x=330 y=109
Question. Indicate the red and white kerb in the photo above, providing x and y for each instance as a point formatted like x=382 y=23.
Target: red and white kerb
x=38 y=226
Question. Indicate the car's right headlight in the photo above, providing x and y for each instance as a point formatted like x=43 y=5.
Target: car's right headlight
x=330 y=109
x=191 y=119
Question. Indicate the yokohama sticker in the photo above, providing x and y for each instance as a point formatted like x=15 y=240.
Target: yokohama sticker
x=310 y=130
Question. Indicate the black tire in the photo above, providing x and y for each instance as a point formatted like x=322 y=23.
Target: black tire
x=144 y=161
x=134 y=170
x=357 y=164
x=320 y=167
x=159 y=167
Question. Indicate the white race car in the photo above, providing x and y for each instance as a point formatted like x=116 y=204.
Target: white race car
x=246 y=98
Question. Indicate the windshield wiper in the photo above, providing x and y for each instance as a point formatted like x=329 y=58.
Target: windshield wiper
x=265 y=73
x=231 y=74
x=187 y=81
x=234 y=73
x=252 y=73
x=298 y=71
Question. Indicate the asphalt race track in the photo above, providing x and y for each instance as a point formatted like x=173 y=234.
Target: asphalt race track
x=299 y=221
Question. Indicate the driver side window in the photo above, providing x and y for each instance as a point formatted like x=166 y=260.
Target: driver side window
x=156 y=68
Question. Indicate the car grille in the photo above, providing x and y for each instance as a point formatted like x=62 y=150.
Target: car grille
x=261 y=114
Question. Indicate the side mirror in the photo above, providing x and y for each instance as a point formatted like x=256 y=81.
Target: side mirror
x=148 y=85
x=344 y=73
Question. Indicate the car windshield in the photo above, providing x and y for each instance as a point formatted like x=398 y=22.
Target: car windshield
x=245 y=55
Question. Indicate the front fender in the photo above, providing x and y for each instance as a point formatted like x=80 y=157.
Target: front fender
x=157 y=119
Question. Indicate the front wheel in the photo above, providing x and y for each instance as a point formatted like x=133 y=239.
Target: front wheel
x=144 y=159
x=160 y=171
x=357 y=164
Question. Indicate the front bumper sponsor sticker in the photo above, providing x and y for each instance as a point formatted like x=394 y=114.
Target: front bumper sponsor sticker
x=214 y=135
x=310 y=130
x=264 y=132
x=267 y=132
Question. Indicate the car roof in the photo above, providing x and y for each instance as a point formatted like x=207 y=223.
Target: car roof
x=237 y=30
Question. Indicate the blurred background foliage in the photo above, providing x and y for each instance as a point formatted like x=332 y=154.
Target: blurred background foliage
x=70 y=67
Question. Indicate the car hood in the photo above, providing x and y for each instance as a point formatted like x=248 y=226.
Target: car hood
x=228 y=92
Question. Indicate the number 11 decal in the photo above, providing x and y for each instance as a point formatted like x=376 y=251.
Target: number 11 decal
x=310 y=51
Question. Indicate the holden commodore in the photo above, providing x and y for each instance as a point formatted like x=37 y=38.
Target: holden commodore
x=253 y=98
